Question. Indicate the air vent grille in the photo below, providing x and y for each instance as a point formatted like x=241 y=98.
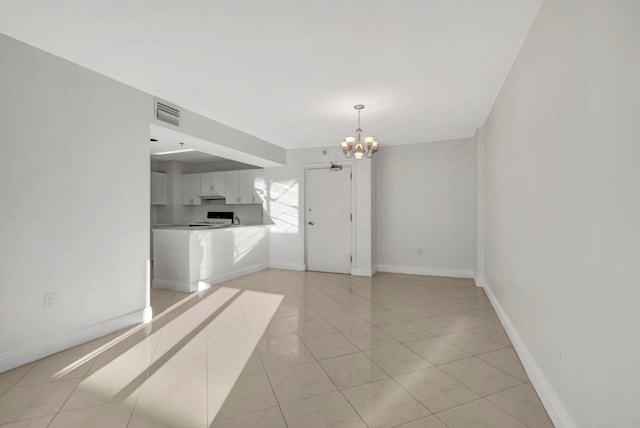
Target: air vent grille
x=166 y=113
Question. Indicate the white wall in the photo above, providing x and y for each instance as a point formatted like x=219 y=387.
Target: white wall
x=563 y=210
x=285 y=205
x=425 y=208
x=74 y=218
x=480 y=208
x=374 y=213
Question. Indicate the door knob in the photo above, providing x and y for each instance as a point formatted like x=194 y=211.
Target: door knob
x=311 y=223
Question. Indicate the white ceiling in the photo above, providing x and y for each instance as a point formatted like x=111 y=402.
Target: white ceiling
x=193 y=156
x=164 y=140
x=290 y=71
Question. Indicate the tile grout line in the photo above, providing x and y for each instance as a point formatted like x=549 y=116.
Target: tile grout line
x=86 y=375
x=206 y=365
x=505 y=410
x=13 y=385
x=273 y=391
x=293 y=293
x=155 y=349
x=501 y=369
x=340 y=390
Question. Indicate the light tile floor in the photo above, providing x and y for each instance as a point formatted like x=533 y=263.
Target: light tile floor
x=290 y=349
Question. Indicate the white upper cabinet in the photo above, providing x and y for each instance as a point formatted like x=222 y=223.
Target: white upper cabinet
x=158 y=188
x=241 y=187
x=213 y=184
x=191 y=189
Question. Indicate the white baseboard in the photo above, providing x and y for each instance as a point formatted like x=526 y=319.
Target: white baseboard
x=167 y=284
x=480 y=282
x=362 y=272
x=552 y=403
x=419 y=270
x=60 y=342
x=288 y=266
x=217 y=279
x=190 y=287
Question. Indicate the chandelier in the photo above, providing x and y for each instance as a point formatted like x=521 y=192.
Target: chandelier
x=356 y=147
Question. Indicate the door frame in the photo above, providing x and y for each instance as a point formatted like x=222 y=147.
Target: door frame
x=323 y=165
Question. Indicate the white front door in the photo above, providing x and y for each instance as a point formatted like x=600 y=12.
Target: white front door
x=328 y=219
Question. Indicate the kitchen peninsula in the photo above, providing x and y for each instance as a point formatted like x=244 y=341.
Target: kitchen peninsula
x=191 y=258
x=208 y=224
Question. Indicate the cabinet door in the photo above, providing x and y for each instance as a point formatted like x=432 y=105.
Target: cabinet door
x=220 y=183
x=158 y=188
x=190 y=189
x=212 y=184
x=241 y=187
x=245 y=187
x=231 y=192
x=258 y=186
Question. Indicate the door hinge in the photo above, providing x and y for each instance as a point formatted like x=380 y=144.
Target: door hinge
x=350 y=217
x=351 y=259
x=351 y=176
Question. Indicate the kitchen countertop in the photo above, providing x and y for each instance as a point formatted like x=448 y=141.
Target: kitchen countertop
x=202 y=227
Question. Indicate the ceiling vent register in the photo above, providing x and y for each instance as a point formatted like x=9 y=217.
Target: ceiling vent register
x=166 y=113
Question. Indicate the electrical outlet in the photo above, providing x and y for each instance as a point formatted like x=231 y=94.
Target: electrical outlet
x=558 y=345
x=49 y=300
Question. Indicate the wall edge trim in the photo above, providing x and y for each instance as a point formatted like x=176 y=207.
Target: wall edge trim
x=217 y=279
x=430 y=271
x=288 y=266
x=60 y=342
x=369 y=272
x=550 y=400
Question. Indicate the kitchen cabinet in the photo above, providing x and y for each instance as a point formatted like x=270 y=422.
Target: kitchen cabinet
x=191 y=189
x=241 y=187
x=158 y=188
x=213 y=184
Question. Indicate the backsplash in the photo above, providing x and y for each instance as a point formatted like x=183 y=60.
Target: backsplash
x=248 y=214
x=183 y=214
